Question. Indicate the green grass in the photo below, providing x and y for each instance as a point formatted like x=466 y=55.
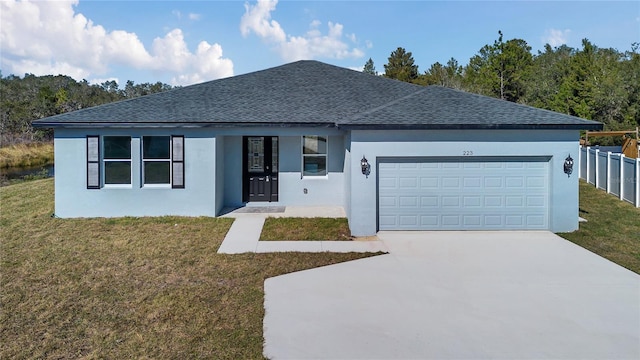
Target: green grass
x=129 y=287
x=612 y=229
x=26 y=155
x=305 y=229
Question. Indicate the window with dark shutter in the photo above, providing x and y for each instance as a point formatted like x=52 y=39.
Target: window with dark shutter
x=93 y=162
x=177 y=162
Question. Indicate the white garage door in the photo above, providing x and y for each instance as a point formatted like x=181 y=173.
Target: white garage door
x=463 y=193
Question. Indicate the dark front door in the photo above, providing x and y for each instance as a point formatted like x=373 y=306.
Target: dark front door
x=260 y=168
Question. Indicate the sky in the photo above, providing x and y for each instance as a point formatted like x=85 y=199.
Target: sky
x=187 y=42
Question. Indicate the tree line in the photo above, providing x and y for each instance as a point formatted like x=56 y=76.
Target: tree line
x=31 y=97
x=601 y=84
x=594 y=83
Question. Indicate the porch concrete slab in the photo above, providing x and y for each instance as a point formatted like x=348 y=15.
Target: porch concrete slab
x=453 y=295
x=289 y=211
x=243 y=235
x=313 y=211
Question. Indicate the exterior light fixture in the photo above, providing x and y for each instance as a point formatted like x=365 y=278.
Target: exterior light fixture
x=364 y=164
x=568 y=165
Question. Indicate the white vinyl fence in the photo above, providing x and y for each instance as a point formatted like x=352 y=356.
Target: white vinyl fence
x=614 y=173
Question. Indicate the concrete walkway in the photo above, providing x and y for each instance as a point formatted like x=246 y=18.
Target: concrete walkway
x=458 y=295
x=244 y=234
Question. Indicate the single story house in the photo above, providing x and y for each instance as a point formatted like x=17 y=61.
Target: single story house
x=394 y=155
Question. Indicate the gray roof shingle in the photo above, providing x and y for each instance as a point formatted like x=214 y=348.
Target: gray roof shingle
x=311 y=93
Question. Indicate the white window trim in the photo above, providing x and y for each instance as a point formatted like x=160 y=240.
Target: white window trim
x=303 y=155
x=104 y=160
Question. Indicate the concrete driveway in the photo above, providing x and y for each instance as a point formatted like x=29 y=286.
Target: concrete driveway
x=458 y=295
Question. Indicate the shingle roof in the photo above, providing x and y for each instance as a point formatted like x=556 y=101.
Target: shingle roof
x=311 y=93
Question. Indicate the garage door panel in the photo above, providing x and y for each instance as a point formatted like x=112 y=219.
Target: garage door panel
x=409 y=201
x=472 y=220
x=514 y=220
x=388 y=201
x=463 y=195
x=493 y=201
x=408 y=220
x=472 y=182
x=472 y=201
x=429 y=201
x=536 y=201
x=514 y=201
x=388 y=183
x=493 y=182
x=388 y=221
x=514 y=182
x=534 y=221
x=536 y=182
x=429 y=220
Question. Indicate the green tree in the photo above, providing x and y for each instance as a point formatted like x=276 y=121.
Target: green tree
x=500 y=69
x=401 y=66
x=23 y=100
x=369 y=68
x=630 y=67
x=449 y=75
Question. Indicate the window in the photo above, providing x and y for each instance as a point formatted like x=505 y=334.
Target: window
x=163 y=160
x=314 y=156
x=156 y=160
x=117 y=160
x=109 y=160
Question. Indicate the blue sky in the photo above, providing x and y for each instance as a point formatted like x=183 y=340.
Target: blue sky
x=184 y=42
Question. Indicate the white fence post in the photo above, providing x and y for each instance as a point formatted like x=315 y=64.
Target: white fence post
x=609 y=172
x=637 y=183
x=622 y=177
x=597 y=178
x=587 y=156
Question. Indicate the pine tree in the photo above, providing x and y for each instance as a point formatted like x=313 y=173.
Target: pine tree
x=401 y=66
x=369 y=68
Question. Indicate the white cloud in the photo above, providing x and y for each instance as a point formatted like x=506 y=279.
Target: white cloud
x=257 y=18
x=556 y=37
x=313 y=44
x=99 y=81
x=194 y=17
x=49 y=37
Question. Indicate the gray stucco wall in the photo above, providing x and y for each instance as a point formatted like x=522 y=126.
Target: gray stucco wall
x=375 y=144
x=220 y=170
x=213 y=174
x=73 y=199
x=347 y=175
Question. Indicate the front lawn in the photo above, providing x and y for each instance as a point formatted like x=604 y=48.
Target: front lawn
x=130 y=287
x=305 y=229
x=612 y=229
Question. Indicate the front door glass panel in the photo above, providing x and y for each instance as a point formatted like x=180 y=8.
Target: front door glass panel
x=274 y=154
x=255 y=152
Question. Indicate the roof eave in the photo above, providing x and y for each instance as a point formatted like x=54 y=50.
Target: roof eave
x=182 y=125
x=589 y=126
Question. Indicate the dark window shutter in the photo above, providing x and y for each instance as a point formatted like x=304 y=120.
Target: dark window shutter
x=93 y=162
x=177 y=162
